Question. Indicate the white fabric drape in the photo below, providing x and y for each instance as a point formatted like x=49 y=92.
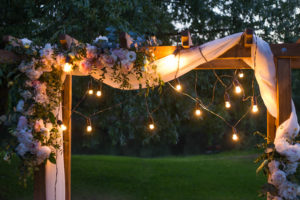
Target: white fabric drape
x=168 y=69
x=55 y=173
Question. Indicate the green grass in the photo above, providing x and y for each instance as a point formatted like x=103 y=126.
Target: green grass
x=225 y=176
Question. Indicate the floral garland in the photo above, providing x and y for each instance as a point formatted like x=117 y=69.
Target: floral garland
x=280 y=163
x=37 y=127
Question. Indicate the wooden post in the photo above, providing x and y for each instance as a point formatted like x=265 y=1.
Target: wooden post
x=271 y=128
x=40 y=183
x=284 y=90
x=67 y=110
x=186 y=40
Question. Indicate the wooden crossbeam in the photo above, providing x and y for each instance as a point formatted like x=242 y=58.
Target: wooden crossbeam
x=224 y=64
x=290 y=50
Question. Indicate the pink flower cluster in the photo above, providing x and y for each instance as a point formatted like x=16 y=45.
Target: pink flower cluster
x=27 y=144
x=122 y=58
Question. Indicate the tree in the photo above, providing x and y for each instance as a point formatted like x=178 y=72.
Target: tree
x=125 y=126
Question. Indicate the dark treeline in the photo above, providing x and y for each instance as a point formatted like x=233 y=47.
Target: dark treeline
x=123 y=130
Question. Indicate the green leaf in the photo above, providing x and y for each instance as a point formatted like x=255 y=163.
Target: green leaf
x=262 y=165
x=52 y=118
x=52 y=158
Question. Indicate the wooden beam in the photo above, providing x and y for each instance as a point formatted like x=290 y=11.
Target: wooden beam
x=160 y=51
x=67 y=110
x=284 y=90
x=286 y=50
x=125 y=40
x=66 y=41
x=39 y=192
x=237 y=52
x=186 y=40
x=295 y=63
x=271 y=128
x=224 y=64
x=248 y=37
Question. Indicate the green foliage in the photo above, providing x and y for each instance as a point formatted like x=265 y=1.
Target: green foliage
x=125 y=125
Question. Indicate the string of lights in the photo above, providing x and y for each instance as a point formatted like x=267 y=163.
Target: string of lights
x=238 y=74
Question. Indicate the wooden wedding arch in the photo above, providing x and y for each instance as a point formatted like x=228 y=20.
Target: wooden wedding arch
x=286 y=57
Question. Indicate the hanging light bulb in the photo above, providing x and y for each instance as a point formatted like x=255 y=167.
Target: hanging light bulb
x=91 y=91
x=99 y=93
x=241 y=74
x=235 y=136
x=62 y=126
x=89 y=126
x=67 y=67
x=254 y=105
x=151 y=123
x=178 y=87
x=237 y=85
x=151 y=126
x=227 y=100
x=198 y=110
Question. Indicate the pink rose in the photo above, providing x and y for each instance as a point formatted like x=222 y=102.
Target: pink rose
x=120 y=53
x=107 y=60
x=91 y=52
x=85 y=67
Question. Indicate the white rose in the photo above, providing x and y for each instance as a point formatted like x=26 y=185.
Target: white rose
x=102 y=38
x=45 y=132
x=131 y=56
x=26 y=94
x=288 y=191
x=278 y=177
x=291 y=168
x=26 y=43
x=33 y=74
x=273 y=166
x=43 y=153
x=292 y=153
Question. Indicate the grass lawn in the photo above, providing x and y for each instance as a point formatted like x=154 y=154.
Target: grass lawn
x=225 y=176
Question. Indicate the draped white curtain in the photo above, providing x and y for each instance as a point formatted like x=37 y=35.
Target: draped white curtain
x=168 y=69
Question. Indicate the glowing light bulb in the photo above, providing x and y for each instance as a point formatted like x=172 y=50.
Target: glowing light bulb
x=198 y=112
x=227 y=104
x=254 y=105
x=254 y=108
x=63 y=127
x=91 y=91
x=151 y=126
x=241 y=74
x=235 y=137
x=67 y=67
x=89 y=128
x=178 y=87
x=98 y=93
x=238 y=89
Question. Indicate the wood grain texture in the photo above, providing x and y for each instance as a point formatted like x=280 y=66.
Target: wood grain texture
x=284 y=90
x=291 y=50
x=67 y=110
x=271 y=128
x=224 y=64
